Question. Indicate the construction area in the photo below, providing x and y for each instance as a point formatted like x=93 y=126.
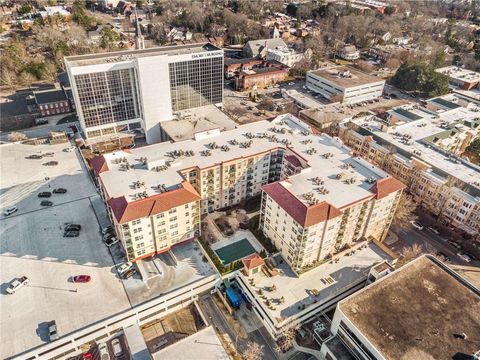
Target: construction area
x=172 y=328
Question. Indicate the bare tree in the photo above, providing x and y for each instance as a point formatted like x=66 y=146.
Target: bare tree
x=16 y=136
x=253 y=351
x=285 y=342
x=405 y=212
x=409 y=253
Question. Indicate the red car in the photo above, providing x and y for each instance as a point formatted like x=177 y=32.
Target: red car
x=87 y=356
x=81 y=279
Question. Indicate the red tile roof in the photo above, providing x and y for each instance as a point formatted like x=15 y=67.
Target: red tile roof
x=125 y=211
x=305 y=215
x=386 y=186
x=99 y=165
x=292 y=159
x=253 y=261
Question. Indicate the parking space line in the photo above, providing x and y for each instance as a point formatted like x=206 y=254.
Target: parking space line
x=47 y=207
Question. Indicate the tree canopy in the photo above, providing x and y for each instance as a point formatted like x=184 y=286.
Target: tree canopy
x=420 y=77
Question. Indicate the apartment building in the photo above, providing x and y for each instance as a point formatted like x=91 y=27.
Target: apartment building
x=327 y=204
x=419 y=147
x=423 y=310
x=128 y=90
x=155 y=195
x=345 y=84
x=461 y=78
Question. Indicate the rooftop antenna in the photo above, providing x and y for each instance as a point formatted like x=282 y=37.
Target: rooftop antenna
x=139 y=41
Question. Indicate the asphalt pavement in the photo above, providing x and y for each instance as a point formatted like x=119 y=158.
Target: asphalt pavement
x=218 y=320
x=430 y=243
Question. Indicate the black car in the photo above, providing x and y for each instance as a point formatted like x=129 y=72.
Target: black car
x=59 y=191
x=46 y=203
x=71 y=233
x=45 y=194
x=129 y=273
x=34 y=156
x=73 y=227
x=51 y=163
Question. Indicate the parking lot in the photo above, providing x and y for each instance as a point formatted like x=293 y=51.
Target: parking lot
x=32 y=245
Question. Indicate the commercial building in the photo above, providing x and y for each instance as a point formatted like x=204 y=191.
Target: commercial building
x=284 y=55
x=128 y=90
x=421 y=147
x=423 y=310
x=461 y=78
x=232 y=66
x=51 y=102
x=349 y=52
x=345 y=84
x=268 y=74
x=155 y=195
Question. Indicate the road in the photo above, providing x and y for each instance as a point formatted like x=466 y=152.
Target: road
x=429 y=241
x=218 y=320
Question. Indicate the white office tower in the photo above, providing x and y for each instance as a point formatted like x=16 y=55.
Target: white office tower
x=127 y=90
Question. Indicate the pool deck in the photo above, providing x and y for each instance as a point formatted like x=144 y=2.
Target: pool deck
x=237 y=236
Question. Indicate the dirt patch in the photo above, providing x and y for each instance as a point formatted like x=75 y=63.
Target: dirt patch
x=172 y=328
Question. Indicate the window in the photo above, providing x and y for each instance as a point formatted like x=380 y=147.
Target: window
x=195 y=83
x=173 y=226
x=140 y=237
x=174 y=233
x=108 y=97
x=136 y=222
x=172 y=211
x=186 y=206
x=161 y=215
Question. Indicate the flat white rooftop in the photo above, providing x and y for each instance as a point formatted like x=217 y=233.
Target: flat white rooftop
x=412 y=137
x=204 y=345
x=100 y=58
x=187 y=123
x=345 y=76
x=297 y=291
x=326 y=158
x=459 y=73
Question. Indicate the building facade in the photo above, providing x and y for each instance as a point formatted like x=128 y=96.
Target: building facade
x=260 y=77
x=217 y=170
x=120 y=91
x=461 y=78
x=440 y=181
x=345 y=84
x=285 y=56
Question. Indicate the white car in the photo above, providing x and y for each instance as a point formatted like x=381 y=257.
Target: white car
x=416 y=225
x=291 y=83
x=17 y=284
x=124 y=267
x=434 y=230
x=9 y=211
x=464 y=257
x=117 y=348
x=69 y=149
x=106 y=230
x=103 y=351
x=111 y=241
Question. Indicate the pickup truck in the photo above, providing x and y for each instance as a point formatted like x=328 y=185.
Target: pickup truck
x=17 y=284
